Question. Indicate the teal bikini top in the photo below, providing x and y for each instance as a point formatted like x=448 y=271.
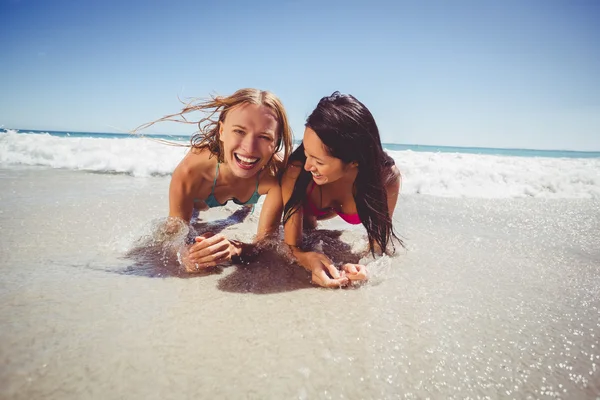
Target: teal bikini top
x=211 y=201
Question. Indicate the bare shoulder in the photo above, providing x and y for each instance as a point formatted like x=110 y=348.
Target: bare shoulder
x=288 y=177
x=395 y=174
x=267 y=182
x=393 y=178
x=196 y=166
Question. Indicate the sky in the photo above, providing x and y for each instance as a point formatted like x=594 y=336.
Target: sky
x=509 y=74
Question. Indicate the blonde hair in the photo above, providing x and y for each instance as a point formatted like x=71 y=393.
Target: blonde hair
x=207 y=135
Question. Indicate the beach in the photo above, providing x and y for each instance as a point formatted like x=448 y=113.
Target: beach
x=492 y=298
x=490 y=112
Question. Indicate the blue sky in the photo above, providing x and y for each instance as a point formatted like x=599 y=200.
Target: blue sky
x=523 y=74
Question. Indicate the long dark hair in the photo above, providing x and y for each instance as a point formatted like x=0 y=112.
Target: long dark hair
x=348 y=130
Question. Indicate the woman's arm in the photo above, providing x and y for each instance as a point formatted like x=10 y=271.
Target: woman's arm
x=293 y=226
x=207 y=250
x=392 y=188
x=181 y=200
x=270 y=214
x=318 y=264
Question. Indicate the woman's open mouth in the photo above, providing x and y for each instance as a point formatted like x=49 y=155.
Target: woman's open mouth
x=245 y=162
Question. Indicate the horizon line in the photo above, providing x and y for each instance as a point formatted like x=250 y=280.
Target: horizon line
x=297 y=141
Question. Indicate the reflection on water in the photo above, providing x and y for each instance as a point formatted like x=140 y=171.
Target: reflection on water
x=156 y=255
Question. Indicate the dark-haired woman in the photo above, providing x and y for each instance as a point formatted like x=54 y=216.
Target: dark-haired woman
x=340 y=169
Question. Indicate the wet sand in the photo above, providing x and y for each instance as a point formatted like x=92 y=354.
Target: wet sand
x=492 y=298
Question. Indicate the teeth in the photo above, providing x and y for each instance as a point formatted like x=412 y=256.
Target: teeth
x=247 y=159
x=315 y=174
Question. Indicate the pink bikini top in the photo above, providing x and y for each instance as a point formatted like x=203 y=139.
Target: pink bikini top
x=353 y=219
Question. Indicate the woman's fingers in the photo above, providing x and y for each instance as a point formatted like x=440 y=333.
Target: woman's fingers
x=213 y=257
x=328 y=265
x=333 y=271
x=207 y=247
x=205 y=240
x=355 y=272
x=327 y=282
x=209 y=261
x=208 y=250
x=321 y=278
x=209 y=253
x=350 y=268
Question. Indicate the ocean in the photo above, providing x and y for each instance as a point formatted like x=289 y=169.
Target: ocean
x=431 y=170
x=496 y=295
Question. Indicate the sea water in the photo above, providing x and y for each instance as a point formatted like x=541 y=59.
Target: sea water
x=496 y=294
x=433 y=170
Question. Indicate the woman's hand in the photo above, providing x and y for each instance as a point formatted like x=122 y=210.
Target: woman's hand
x=324 y=273
x=355 y=272
x=207 y=251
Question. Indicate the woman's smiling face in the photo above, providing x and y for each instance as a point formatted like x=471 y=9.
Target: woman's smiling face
x=249 y=137
x=323 y=167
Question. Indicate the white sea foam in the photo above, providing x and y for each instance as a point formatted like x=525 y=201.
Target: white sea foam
x=437 y=174
x=491 y=176
x=136 y=156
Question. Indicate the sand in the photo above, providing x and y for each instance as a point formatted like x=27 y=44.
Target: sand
x=495 y=298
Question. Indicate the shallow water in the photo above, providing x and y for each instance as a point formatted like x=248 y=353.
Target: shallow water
x=492 y=298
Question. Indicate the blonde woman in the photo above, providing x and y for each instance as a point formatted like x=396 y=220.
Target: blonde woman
x=241 y=144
